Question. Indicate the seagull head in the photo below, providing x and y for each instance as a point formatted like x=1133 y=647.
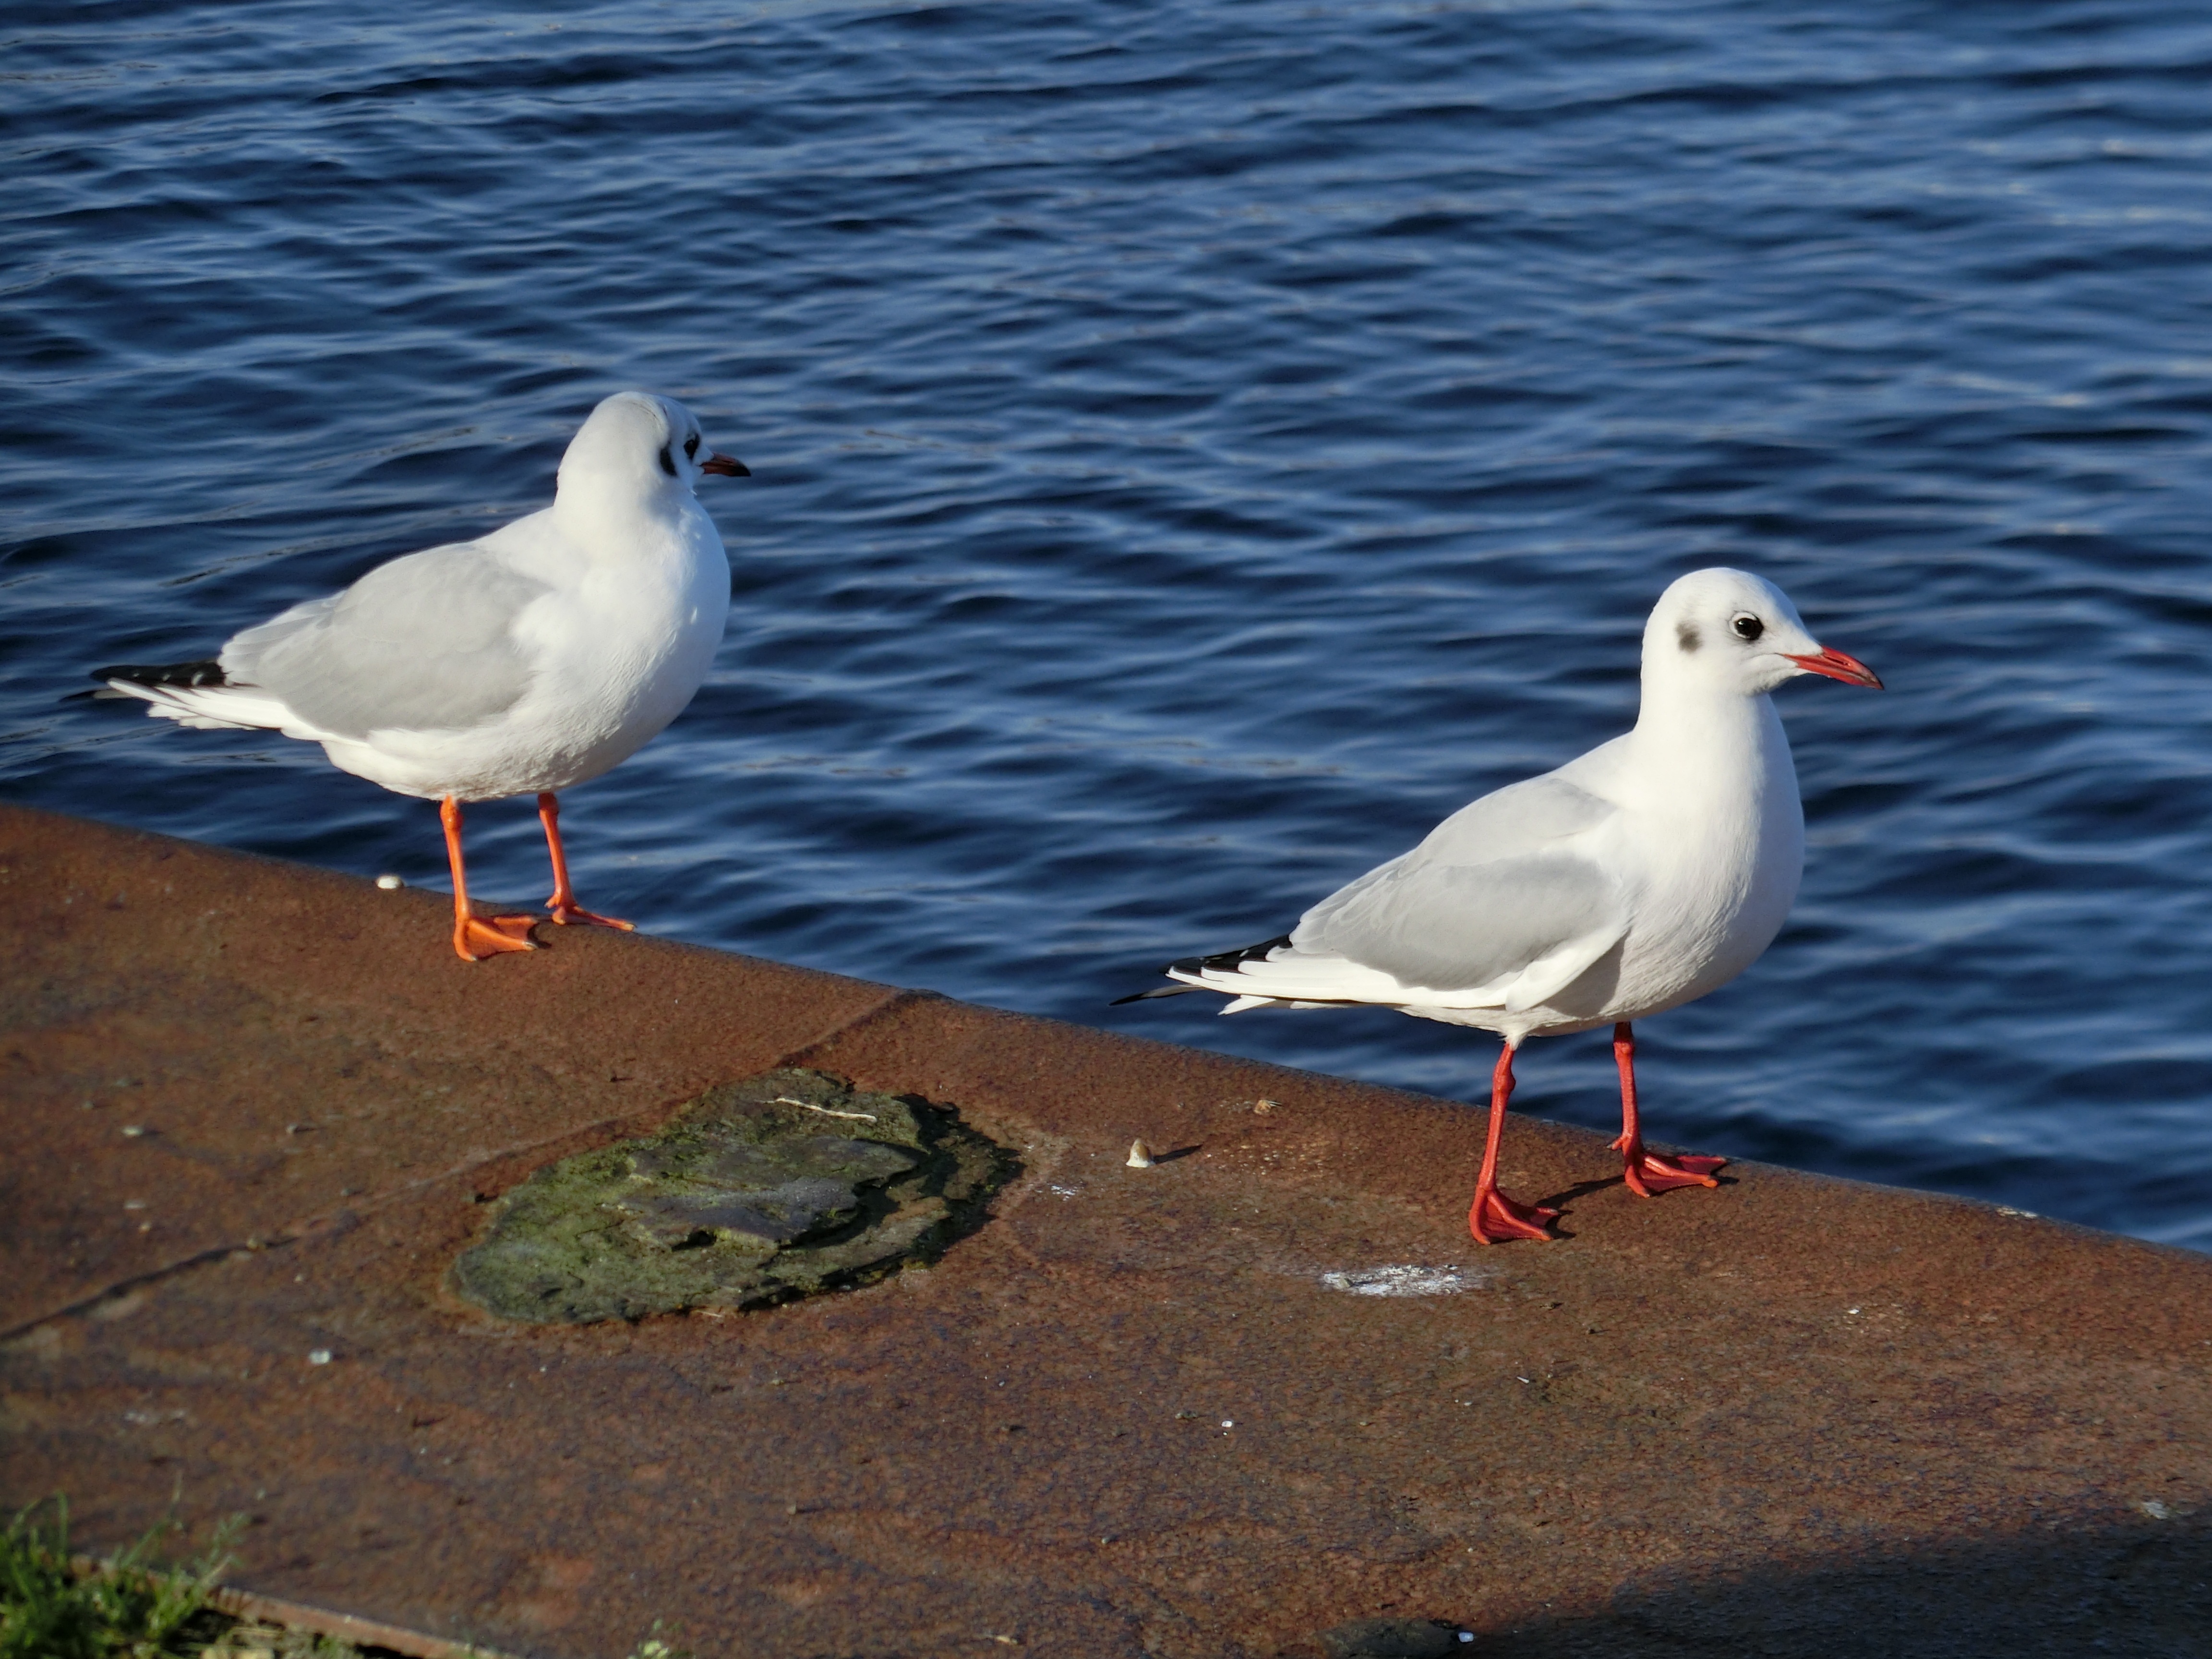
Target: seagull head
x=641 y=440
x=1733 y=631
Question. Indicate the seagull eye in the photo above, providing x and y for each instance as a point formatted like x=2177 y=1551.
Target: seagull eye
x=1747 y=628
x=691 y=446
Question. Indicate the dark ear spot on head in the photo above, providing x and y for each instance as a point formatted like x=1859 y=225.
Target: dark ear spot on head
x=1688 y=634
x=667 y=461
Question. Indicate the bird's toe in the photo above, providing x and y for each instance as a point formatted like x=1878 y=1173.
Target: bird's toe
x=575 y=915
x=1649 y=1174
x=1495 y=1218
x=476 y=937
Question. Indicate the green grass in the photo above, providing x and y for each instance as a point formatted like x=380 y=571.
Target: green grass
x=129 y=1609
x=132 y=1608
x=257 y=1641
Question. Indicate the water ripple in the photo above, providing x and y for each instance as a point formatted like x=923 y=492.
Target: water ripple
x=1195 y=448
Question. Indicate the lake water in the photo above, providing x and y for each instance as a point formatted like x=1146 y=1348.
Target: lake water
x=1196 y=447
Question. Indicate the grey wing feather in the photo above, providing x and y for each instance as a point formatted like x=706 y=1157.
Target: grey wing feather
x=1494 y=888
x=422 y=643
x=1453 y=926
x=1529 y=817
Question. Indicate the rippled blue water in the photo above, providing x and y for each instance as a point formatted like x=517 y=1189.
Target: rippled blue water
x=1197 y=447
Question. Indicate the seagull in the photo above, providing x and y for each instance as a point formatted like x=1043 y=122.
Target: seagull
x=1633 y=879
x=527 y=661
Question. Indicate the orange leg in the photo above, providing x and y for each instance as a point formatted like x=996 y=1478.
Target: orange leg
x=475 y=938
x=563 y=903
x=1494 y=1217
x=1649 y=1174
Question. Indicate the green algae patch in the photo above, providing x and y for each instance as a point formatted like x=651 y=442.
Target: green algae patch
x=785 y=1185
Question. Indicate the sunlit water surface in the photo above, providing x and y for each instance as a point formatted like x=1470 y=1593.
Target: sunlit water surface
x=1196 y=447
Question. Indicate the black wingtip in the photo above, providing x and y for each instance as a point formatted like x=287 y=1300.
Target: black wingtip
x=183 y=675
x=1146 y=996
x=1226 y=961
x=1230 y=960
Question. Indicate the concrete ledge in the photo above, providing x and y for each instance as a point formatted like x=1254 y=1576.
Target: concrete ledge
x=1794 y=1416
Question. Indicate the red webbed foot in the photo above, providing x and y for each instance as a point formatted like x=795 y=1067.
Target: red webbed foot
x=568 y=914
x=476 y=937
x=1495 y=1218
x=1649 y=1174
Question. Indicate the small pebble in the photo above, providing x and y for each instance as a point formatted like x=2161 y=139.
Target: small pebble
x=319 y=1356
x=391 y=883
x=1140 y=1155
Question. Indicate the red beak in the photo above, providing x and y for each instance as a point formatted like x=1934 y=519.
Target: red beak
x=1838 y=666
x=727 y=466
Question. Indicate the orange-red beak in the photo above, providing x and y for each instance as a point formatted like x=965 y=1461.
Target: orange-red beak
x=727 y=466
x=1838 y=666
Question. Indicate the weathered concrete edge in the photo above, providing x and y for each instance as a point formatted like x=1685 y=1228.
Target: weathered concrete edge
x=885 y=1006
x=298 y=1615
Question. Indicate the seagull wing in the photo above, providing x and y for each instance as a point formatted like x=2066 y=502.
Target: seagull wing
x=1507 y=934
x=1503 y=906
x=425 y=642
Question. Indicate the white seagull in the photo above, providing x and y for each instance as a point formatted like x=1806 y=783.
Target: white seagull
x=530 y=660
x=1651 y=870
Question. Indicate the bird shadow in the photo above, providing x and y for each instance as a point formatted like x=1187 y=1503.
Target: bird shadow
x=1567 y=1195
x=1179 y=1151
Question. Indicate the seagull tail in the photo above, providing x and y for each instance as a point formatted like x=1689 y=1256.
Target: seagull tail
x=196 y=693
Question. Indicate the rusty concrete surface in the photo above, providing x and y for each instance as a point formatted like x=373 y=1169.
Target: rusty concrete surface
x=254 y=1111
